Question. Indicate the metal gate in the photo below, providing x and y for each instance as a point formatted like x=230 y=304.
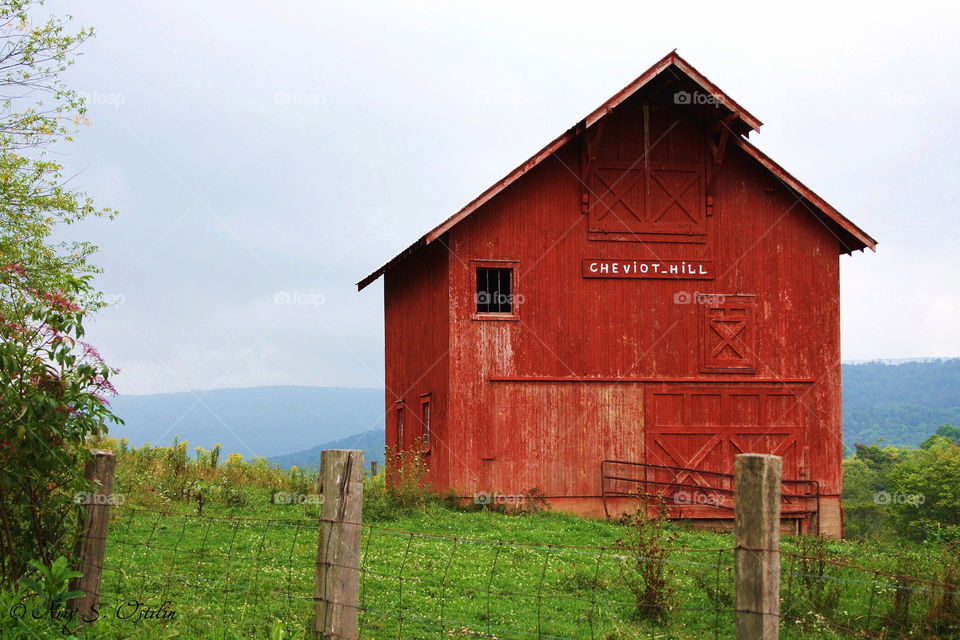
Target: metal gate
x=700 y=494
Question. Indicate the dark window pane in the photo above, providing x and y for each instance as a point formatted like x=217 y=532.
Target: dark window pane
x=481 y=291
x=399 y=427
x=426 y=423
x=493 y=291
x=504 y=291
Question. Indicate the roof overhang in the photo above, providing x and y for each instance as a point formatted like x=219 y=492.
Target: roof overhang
x=851 y=237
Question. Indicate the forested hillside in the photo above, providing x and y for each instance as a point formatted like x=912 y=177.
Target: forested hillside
x=901 y=404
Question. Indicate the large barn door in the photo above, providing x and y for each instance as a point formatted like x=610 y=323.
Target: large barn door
x=702 y=428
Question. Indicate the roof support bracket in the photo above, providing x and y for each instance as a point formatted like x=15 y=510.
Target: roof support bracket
x=588 y=157
x=717 y=150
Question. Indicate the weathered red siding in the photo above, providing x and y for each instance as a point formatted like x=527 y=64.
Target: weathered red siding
x=515 y=436
x=685 y=372
x=417 y=363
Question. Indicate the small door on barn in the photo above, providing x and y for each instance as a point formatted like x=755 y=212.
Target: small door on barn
x=694 y=432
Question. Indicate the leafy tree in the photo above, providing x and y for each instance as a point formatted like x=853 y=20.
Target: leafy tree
x=947 y=432
x=52 y=385
x=914 y=493
x=927 y=486
x=880 y=460
x=865 y=480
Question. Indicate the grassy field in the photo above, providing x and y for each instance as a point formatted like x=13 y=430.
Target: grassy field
x=245 y=568
x=440 y=572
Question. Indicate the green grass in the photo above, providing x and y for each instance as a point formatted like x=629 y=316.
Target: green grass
x=242 y=574
x=227 y=577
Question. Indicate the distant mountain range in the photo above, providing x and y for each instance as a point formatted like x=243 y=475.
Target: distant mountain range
x=370 y=442
x=262 y=421
x=896 y=360
x=898 y=404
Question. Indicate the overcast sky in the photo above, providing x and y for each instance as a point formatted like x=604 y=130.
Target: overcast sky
x=261 y=149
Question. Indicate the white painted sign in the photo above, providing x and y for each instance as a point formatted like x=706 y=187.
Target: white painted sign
x=664 y=269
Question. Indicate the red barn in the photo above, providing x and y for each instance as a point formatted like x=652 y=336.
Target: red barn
x=641 y=300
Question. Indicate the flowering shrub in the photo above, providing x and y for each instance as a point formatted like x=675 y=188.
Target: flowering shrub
x=53 y=390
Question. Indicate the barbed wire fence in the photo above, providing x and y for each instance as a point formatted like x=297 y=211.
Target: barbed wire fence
x=256 y=575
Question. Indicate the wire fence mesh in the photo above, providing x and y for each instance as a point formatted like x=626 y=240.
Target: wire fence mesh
x=243 y=573
x=250 y=575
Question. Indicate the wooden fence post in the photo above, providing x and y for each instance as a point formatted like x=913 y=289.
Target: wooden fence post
x=336 y=585
x=757 y=480
x=93 y=536
x=373 y=468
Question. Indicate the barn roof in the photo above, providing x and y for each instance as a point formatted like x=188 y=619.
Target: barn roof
x=684 y=76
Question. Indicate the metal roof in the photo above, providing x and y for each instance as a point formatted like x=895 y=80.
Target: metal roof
x=738 y=119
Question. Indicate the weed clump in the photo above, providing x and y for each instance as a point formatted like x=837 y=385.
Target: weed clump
x=647 y=545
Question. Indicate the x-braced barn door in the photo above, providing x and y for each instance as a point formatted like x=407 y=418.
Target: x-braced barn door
x=694 y=432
